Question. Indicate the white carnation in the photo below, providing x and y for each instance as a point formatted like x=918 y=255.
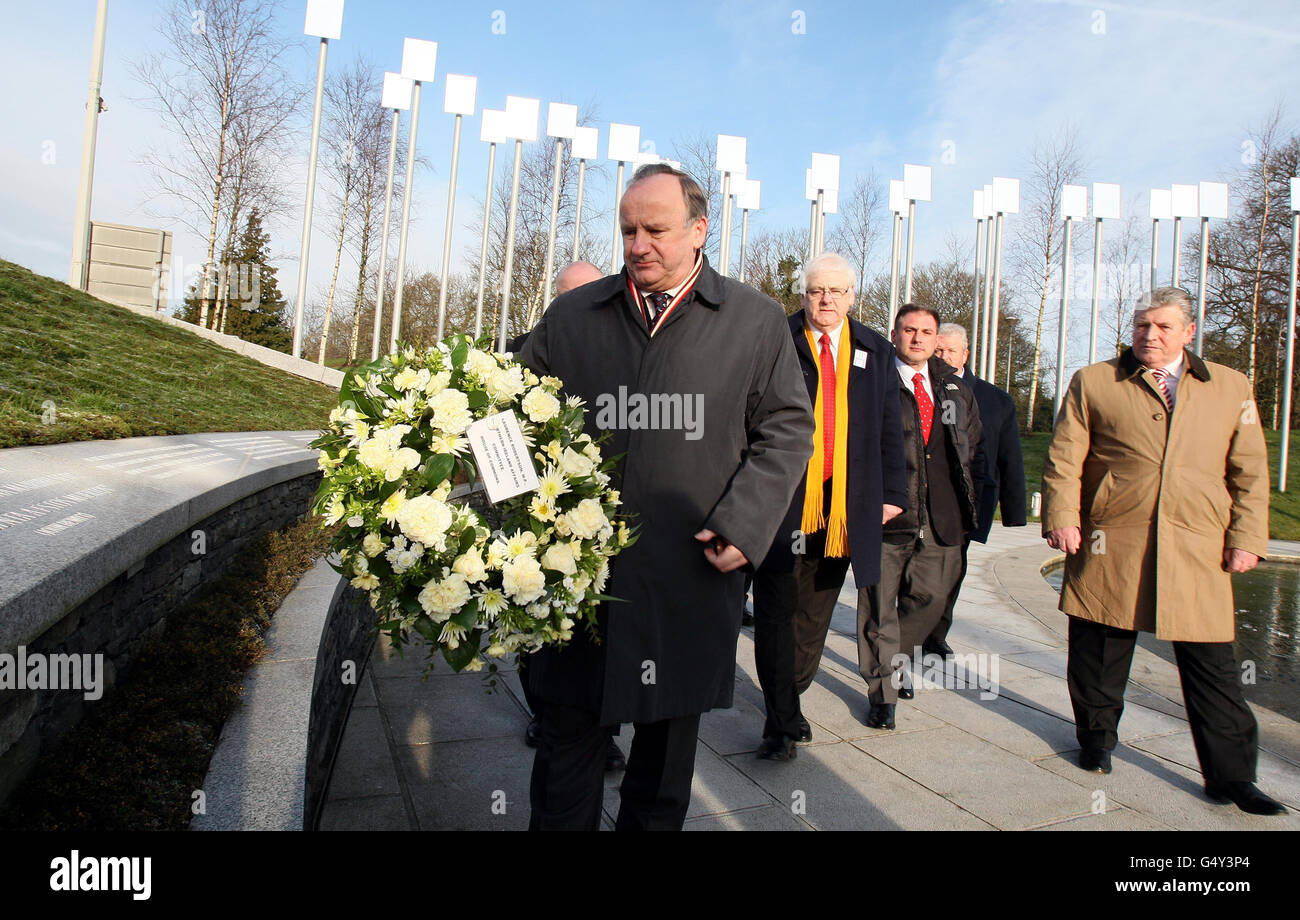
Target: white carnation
x=588 y=519
x=522 y=579
x=424 y=519
x=540 y=406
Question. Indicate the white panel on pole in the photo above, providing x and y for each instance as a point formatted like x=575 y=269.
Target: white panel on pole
x=458 y=98
x=731 y=153
x=419 y=58
x=521 y=115
x=916 y=182
x=810 y=189
x=1185 y=202
x=750 y=196
x=1214 y=200
x=493 y=127
x=826 y=170
x=586 y=143
x=324 y=18
x=988 y=201
x=1295 y=194
x=977 y=205
x=831 y=201
x=561 y=120
x=1006 y=195
x=1105 y=200
x=1074 y=201
x=397 y=92
x=624 y=142
x=897 y=196
x=1162 y=204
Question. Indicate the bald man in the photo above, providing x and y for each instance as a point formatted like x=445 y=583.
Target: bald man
x=575 y=275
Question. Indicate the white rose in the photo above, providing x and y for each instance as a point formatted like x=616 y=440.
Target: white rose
x=481 y=364
x=451 y=411
x=406 y=379
x=437 y=383
x=540 y=406
x=505 y=384
x=441 y=599
x=471 y=566
x=375 y=454
x=587 y=520
x=575 y=465
x=424 y=519
x=523 y=580
x=559 y=557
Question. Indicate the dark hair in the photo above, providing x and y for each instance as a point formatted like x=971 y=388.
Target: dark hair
x=916 y=308
x=697 y=205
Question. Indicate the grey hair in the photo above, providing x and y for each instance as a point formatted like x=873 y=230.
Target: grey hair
x=1168 y=297
x=955 y=331
x=827 y=260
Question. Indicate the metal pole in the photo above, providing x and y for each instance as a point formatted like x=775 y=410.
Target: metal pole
x=1096 y=294
x=617 y=249
x=79 y=268
x=975 y=306
x=724 y=242
x=812 y=231
x=487 y=225
x=555 y=213
x=577 y=216
x=162 y=253
x=1200 y=294
x=821 y=233
x=448 y=230
x=997 y=297
x=1155 y=252
x=305 y=250
x=744 y=239
x=1290 y=356
x=510 y=248
x=1011 y=331
x=383 y=237
x=983 y=370
x=1178 y=241
x=893 y=269
x=396 y=328
x=911 y=239
x=1063 y=322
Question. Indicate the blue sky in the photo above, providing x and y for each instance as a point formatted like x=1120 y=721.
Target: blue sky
x=1161 y=92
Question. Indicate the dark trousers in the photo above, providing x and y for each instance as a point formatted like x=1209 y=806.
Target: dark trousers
x=940 y=631
x=568 y=784
x=1223 y=727
x=897 y=614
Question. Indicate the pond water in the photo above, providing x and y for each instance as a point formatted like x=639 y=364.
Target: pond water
x=1268 y=632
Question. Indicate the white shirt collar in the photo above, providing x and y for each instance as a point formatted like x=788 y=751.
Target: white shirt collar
x=907 y=373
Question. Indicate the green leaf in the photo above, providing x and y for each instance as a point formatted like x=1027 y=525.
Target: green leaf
x=477 y=399
x=438 y=468
x=464 y=653
x=427 y=628
x=467 y=540
x=411 y=604
x=468 y=615
x=459 y=353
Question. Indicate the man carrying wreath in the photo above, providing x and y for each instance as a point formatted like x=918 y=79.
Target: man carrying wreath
x=707 y=506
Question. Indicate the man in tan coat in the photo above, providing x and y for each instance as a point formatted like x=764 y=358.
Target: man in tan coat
x=1156 y=487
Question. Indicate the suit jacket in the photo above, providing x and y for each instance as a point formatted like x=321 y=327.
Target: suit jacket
x=1003 y=463
x=875 y=444
x=957 y=413
x=667 y=647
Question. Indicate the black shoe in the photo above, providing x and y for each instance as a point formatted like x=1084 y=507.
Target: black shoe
x=533 y=733
x=778 y=748
x=805 y=730
x=1245 y=796
x=1094 y=760
x=905 y=691
x=614 y=759
x=881 y=715
x=936 y=647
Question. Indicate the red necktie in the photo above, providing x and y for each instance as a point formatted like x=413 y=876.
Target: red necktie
x=828 y=408
x=926 y=406
x=1162 y=378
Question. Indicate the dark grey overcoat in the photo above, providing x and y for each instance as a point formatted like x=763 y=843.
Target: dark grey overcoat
x=668 y=649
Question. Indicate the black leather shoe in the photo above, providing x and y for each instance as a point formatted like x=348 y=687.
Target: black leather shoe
x=940 y=648
x=614 y=759
x=1094 y=760
x=805 y=731
x=881 y=715
x=905 y=691
x=533 y=733
x=778 y=748
x=1245 y=796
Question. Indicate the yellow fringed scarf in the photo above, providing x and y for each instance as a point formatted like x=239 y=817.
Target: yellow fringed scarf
x=814 y=515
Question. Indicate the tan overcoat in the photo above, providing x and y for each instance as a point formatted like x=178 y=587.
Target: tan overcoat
x=1158 y=495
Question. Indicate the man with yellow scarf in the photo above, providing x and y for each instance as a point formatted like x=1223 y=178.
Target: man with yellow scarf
x=855 y=482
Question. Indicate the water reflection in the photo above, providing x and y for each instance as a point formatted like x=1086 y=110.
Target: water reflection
x=1268 y=632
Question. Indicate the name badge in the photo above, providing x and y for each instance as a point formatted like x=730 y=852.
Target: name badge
x=859 y=358
x=504 y=463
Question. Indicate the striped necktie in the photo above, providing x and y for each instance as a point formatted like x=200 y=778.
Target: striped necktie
x=1162 y=378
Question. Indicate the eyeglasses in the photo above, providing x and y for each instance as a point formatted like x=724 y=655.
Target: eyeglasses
x=816 y=293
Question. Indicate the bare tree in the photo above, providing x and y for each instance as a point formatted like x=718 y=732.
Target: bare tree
x=698 y=154
x=1036 y=239
x=222 y=67
x=1124 y=264
x=861 y=217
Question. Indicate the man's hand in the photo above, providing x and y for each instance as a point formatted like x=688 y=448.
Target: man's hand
x=1238 y=560
x=1068 y=539
x=890 y=512
x=722 y=555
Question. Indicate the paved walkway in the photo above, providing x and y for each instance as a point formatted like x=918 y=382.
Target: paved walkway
x=442 y=754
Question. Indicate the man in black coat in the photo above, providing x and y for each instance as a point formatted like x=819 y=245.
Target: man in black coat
x=695 y=378
x=1002 y=462
x=921 y=555
x=796 y=587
